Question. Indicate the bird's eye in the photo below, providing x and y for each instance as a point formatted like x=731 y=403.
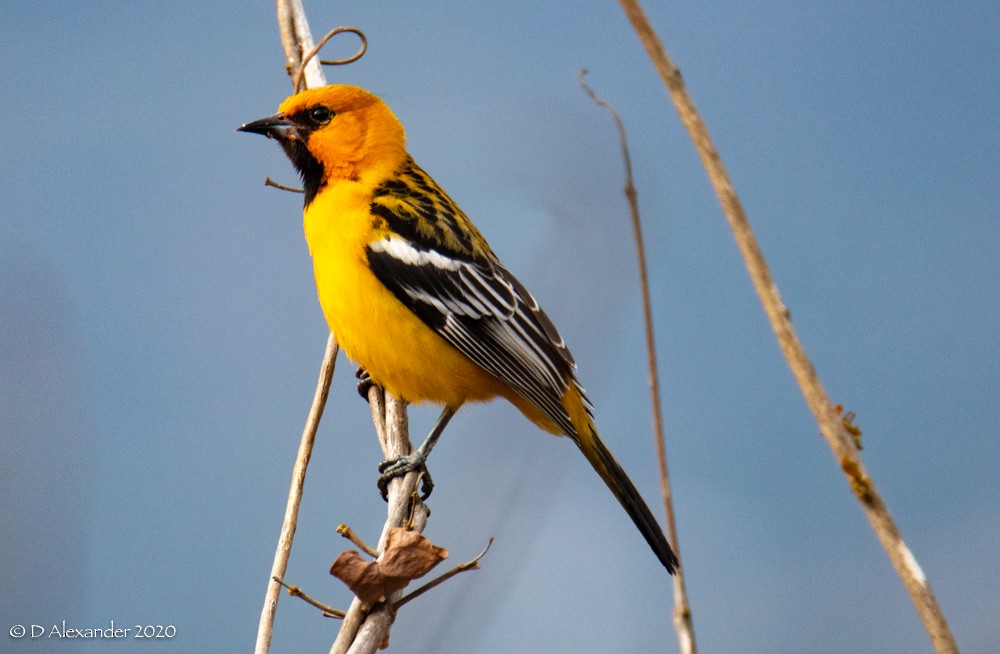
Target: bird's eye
x=320 y=114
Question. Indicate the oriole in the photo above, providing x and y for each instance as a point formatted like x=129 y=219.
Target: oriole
x=412 y=290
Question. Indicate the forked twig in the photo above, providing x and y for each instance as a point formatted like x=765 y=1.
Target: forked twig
x=682 y=608
x=830 y=423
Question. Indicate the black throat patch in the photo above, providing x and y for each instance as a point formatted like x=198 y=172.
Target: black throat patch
x=310 y=170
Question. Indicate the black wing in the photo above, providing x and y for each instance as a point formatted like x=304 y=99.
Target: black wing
x=478 y=307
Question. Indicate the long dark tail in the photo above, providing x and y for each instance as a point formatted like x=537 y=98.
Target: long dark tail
x=624 y=490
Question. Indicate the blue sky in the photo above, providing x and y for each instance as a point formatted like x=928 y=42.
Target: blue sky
x=160 y=335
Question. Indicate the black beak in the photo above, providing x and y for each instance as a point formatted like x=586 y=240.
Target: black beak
x=277 y=126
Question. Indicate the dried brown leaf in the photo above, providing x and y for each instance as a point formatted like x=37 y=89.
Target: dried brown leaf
x=363 y=577
x=407 y=556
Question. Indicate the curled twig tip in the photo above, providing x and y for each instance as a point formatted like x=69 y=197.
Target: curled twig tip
x=472 y=564
x=486 y=549
x=297 y=79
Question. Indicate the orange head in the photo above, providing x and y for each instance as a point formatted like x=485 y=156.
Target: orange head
x=334 y=133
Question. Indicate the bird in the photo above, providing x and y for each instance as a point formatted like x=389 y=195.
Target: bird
x=413 y=292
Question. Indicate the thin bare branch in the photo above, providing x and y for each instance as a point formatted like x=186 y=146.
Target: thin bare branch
x=288 y=525
x=830 y=424
x=434 y=583
x=328 y=611
x=270 y=182
x=683 y=622
x=349 y=534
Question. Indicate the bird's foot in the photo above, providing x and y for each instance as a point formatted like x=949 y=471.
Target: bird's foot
x=392 y=468
x=365 y=382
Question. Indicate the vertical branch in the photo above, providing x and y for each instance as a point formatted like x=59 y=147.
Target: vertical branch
x=683 y=622
x=266 y=626
x=361 y=631
x=830 y=423
x=297 y=41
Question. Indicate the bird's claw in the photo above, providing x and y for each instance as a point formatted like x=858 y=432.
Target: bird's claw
x=392 y=468
x=365 y=382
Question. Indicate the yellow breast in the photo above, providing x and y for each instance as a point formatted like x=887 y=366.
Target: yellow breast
x=399 y=351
